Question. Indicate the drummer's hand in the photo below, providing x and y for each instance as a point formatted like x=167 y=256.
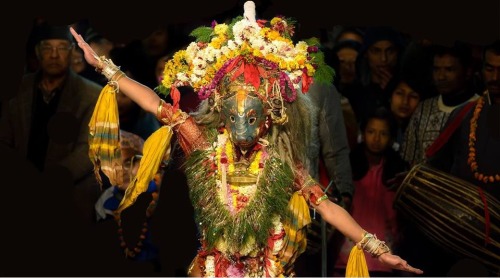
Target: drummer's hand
x=396 y=262
x=89 y=54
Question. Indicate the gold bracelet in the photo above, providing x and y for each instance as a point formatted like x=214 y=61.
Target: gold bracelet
x=117 y=76
x=371 y=244
x=321 y=199
x=363 y=240
x=178 y=118
x=106 y=67
x=382 y=248
x=100 y=65
x=158 y=110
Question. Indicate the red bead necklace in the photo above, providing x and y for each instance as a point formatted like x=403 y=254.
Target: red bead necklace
x=471 y=161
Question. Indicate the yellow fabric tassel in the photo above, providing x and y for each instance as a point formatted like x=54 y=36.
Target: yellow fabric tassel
x=295 y=241
x=356 y=264
x=104 y=141
x=154 y=152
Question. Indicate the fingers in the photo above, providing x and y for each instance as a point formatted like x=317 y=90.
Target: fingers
x=398 y=263
x=386 y=76
x=90 y=55
x=77 y=36
x=386 y=73
x=79 y=39
x=409 y=268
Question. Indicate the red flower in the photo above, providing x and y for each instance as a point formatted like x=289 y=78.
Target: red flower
x=312 y=49
x=242 y=199
x=306 y=81
x=261 y=22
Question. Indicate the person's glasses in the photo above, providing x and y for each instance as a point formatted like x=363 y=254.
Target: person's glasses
x=129 y=163
x=61 y=49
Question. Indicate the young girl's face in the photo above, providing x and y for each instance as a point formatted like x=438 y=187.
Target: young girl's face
x=377 y=136
x=404 y=101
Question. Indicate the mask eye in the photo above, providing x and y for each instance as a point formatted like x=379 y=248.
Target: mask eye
x=231 y=118
x=252 y=120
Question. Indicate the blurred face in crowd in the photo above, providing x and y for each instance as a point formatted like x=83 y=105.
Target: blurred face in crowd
x=131 y=153
x=382 y=57
x=347 y=64
x=377 y=136
x=160 y=66
x=54 y=56
x=404 y=101
x=102 y=47
x=449 y=75
x=491 y=74
x=125 y=104
x=130 y=163
x=77 y=63
x=157 y=42
x=350 y=36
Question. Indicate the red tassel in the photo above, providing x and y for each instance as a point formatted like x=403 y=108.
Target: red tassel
x=306 y=81
x=261 y=22
x=176 y=98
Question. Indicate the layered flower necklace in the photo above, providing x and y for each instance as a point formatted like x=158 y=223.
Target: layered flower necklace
x=236 y=197
x=471 y=161
x=239 y=215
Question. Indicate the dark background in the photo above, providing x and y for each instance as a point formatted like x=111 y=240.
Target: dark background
x=442 y=21
x=40 y=235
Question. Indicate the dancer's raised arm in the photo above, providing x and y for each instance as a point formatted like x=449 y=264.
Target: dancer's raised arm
x=146 y=98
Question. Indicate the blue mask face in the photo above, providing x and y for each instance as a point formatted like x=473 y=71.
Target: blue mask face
x=244 y=117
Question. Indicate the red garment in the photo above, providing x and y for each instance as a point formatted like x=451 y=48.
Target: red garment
x=372 y=209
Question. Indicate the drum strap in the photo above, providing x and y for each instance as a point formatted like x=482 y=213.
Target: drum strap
x=445 y=135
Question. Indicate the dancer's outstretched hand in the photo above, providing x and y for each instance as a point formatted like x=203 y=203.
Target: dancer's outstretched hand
x=89 y=54
x=397 y=262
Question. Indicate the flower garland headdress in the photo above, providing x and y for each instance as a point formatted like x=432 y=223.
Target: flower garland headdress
x=253 y=50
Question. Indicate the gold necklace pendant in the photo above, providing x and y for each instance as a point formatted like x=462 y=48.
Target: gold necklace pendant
x=242 y=176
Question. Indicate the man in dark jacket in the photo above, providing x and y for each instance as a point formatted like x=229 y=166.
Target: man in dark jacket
x=47 y=121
